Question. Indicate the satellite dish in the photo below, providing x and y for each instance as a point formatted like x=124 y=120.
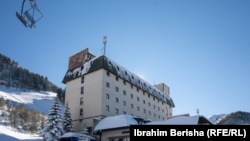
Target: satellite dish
x=30 y=14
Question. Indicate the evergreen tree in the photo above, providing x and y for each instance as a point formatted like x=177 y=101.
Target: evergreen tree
x=67 y=121
x=1 y=102
x=53 y=128
x=84 y=136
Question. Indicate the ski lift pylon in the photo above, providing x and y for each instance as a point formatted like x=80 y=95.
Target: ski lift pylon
x=31 y=15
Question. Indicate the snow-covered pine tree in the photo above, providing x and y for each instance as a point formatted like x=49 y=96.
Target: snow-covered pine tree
x=84 y=136
x=53 y=128
x=67 y=121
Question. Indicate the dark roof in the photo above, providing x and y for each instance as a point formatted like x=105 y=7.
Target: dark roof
x=106 y=63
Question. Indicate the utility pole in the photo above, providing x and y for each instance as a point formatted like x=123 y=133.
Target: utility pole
x=104 y=43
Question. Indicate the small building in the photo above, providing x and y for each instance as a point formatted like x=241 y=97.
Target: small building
x=70 y=136
x=74 y=136
x=117 y=128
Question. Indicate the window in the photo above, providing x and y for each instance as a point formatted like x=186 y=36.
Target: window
x=144 y=110
x=138 y=99
x=124 y=112
x=81 y=111
x=82 y=80
x=131 y=106
x=107 y=96
x=124 y=82
x=116 y=111
x=81 y=101
x=82 y=90
x=138 y=108
x=124 y=103
x=107 y=73
x=117 y=100
x=144 y=101
x=124 y=92
x=149 y=112
x=116 y=89
x=107 y=84
x=107 y=108
x=149 y=103
x=117 y=78
x=131 y=96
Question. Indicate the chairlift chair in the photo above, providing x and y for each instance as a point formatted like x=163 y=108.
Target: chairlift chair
x=31 y=15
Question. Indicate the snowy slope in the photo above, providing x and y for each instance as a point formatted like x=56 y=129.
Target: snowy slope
x=216 y=118
x=10 y=134
x=39 y=101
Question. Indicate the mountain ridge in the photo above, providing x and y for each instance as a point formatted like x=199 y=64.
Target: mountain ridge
x=233 y=118
x=13 y=75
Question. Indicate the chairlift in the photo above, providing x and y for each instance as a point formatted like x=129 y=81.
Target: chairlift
x=31 y=15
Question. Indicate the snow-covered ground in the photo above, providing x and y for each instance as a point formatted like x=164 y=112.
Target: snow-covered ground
x=39 y=101
x=9 y=134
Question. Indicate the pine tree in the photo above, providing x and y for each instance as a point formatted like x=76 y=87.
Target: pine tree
x=53 y=128
x=67 y=121
x=84 y=136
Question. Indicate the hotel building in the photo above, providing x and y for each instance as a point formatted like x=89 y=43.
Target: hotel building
x=97 y=87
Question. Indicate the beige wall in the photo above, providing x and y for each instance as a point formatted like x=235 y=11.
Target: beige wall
x=164 y=88
x=93 y=94
x=72 y=99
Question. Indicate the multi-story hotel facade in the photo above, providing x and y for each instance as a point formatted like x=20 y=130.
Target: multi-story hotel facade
x=97 y=87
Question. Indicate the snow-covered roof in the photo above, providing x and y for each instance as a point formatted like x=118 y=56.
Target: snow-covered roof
x=70 y=134
x=181 y=120
x=108 y=64
x=113 y=122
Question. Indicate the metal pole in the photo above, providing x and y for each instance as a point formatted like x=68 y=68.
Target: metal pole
x=104 y=42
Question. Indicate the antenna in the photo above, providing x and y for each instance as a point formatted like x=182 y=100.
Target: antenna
x=197 y=111
x=104 y=43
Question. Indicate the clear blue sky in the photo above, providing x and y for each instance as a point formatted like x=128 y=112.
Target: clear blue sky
x=199 y=48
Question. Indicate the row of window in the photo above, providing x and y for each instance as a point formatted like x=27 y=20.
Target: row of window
x=131 y=85
x=117 y=112
x=138 y=99
x=131 y=95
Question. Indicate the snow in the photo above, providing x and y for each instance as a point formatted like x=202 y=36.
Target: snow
x=179 y=120
x=216 y=118
x=70 y=134
x=115 y=122
x=10 y=134
x=39 y=101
